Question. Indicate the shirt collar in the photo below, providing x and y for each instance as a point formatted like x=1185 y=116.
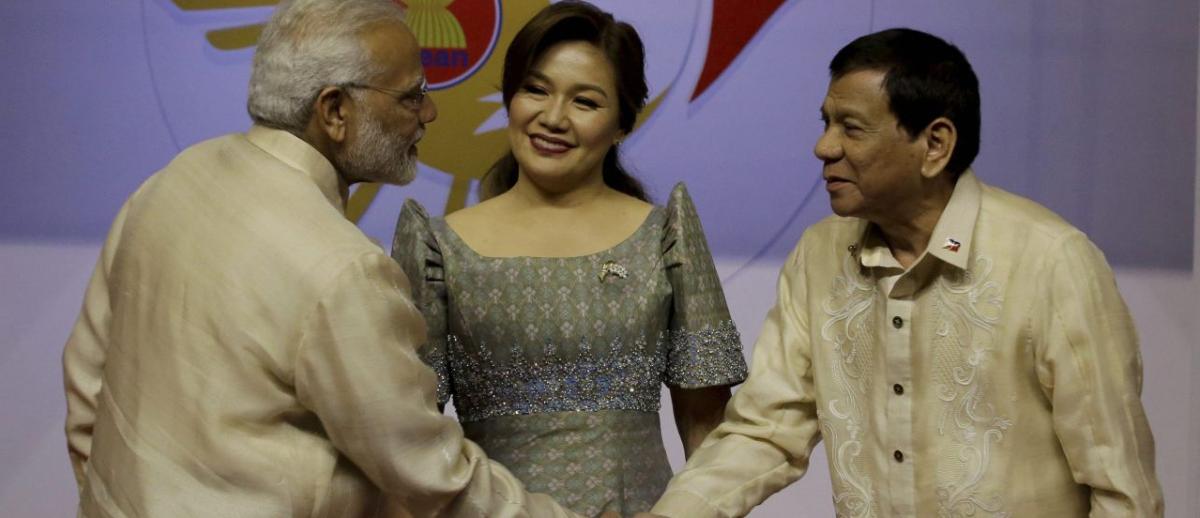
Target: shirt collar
x=874 y=251
x=300 y=155
x=951 y=238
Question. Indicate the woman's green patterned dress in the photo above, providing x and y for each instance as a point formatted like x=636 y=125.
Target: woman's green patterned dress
x=555 y=365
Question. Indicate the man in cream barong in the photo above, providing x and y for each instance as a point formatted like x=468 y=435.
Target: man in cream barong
x=243 y=349
x=961 y=351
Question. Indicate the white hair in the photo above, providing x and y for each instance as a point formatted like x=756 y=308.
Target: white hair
x=309 y=45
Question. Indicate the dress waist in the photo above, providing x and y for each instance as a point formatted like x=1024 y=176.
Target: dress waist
x=619 y=379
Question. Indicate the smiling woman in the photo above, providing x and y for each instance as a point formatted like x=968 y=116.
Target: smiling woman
x=603 y=54
x=559 y=305
x=563 y=119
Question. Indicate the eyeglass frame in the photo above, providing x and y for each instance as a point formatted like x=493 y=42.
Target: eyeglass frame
x=413 y=100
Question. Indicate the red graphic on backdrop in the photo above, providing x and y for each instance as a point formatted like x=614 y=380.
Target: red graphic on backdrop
x=734 y=24
x=456 y=36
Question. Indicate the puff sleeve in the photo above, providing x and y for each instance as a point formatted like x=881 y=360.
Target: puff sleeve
x=705 y=349
x=416 y=249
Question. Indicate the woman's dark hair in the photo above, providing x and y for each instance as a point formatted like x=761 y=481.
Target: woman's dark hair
x=619 y=41
x=925 y=78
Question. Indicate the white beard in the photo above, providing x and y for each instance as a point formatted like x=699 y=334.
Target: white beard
x=378 y=155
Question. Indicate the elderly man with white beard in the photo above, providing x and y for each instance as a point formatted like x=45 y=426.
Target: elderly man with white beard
x=243 y=349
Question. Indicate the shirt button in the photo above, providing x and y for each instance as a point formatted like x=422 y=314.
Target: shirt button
x=898 y=456
x=898 y=389
x=897 y=322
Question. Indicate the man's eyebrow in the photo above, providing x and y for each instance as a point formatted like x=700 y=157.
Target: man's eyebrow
x=416 y=86
x=844 y=112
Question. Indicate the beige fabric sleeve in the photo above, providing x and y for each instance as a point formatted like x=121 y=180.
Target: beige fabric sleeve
x=83 y=356
x=1090 y=369
x=358 y=370
x=770 y=424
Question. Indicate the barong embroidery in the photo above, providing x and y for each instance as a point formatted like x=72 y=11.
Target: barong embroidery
x=850 y=332
x=966 y=308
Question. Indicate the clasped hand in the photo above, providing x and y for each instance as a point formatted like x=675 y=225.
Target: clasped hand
x=613 y=514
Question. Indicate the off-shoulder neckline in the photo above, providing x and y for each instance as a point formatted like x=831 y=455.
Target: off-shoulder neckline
x=641 y=228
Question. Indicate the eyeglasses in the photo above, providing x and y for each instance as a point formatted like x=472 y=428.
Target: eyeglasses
x=412 y=99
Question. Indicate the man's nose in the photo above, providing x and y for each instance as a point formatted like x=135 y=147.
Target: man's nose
x=827 y=147
x=428 y=111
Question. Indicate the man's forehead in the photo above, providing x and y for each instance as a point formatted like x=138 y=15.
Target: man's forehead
x=859 y=91
x=389 y=40
x=393 y=47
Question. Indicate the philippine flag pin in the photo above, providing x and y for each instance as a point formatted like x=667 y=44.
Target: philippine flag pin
x=951 y=244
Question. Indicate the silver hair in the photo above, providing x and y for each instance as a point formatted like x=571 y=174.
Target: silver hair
x=309 y=45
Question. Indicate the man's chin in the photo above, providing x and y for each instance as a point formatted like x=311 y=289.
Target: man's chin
x=406 y=173
x=403 y=177
x=844 y=210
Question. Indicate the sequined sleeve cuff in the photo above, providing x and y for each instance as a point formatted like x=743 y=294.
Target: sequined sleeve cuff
x=707 y=358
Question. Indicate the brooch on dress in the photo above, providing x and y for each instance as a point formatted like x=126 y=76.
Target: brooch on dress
x=613 y=269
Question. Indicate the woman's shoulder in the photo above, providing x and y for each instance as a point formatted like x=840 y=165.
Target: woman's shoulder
x=680 y=199
x=415 y=235
x=474 y=217
x=631 y=207
x=680 y=209
x=682 y=222
x=415 y=219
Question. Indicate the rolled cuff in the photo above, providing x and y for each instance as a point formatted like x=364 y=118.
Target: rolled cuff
x=684 y=504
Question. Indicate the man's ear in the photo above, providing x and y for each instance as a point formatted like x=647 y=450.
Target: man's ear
x=940 y=138
x=329 y=112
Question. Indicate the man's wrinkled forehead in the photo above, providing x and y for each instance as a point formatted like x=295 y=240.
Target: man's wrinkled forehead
x=394 y=48
x=856 y=93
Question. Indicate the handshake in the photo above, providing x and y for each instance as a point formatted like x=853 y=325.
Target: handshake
x=613 y=514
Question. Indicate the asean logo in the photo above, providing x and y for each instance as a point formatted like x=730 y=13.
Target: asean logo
x=462 y=47
x=456 y=36
x=198 y=54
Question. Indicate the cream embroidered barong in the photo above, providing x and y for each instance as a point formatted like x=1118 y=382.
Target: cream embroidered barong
x=244 y=350
x=999 y=376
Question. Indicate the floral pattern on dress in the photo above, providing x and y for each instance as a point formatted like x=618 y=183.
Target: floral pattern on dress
x=555 y=365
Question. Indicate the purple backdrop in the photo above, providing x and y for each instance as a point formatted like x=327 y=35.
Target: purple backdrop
x=1089 y=107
